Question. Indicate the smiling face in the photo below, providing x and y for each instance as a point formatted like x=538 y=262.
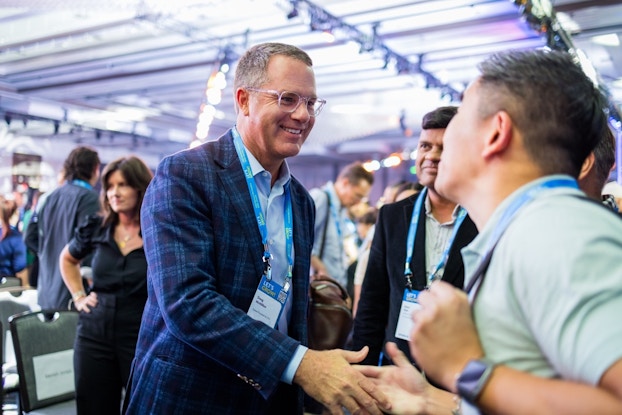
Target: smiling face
x=270 y=133
x=122 y=197
x=429 y=152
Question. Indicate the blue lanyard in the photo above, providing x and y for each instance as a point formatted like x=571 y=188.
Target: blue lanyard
x=410 y=240
x=82 y=183
x=508 y=215
x=259 y=215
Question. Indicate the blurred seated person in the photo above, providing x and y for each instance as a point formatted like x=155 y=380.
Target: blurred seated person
x=12 y=247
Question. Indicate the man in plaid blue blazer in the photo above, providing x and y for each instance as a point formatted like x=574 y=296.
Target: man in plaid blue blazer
x=221 y=222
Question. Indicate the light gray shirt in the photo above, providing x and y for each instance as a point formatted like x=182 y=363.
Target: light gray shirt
x=551 y=300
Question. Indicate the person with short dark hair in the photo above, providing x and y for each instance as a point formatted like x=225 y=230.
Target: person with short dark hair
x=54 y=223
x=332 y=200
x=416 y=241
x=538 y=328
x=596 y=169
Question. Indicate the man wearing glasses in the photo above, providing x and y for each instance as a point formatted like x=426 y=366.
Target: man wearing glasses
x=228 y=233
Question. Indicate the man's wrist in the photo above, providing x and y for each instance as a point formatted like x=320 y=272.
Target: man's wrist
x=439 y=401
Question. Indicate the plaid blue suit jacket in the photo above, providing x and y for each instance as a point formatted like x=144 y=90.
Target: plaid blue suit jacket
x=198 y=352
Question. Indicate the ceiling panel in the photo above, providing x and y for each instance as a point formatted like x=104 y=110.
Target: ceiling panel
x=130 y=75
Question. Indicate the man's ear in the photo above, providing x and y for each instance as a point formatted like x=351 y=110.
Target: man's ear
x=242 y=98
x=500 y=134
x=588 y=163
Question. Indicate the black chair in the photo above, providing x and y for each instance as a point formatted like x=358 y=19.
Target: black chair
x=43 y=343
x=9 y=306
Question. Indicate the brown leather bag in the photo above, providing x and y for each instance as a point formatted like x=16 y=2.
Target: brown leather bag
x=330 y=319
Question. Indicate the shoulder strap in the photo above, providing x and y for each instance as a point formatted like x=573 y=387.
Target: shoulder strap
x=325 y=224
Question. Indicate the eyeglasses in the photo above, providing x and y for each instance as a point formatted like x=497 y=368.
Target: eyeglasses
x=290 y=101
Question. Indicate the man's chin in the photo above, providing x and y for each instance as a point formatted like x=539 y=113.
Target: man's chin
x=427 y=180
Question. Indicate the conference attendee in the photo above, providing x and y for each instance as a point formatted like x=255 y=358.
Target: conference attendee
x=612 y=194
x=596 y=169
x=389 y=193
x=538 y=329
x=54 y=223
x=407 y=189
x=12 y=247
x=416 y=241
x=227 y=232
x=111 y=309
x=352 y=185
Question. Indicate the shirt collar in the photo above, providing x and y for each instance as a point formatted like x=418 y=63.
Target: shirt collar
x=257 y=169
x=428 y=209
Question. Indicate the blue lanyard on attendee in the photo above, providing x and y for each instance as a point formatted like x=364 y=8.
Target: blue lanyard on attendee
x=259 y=215
x=82 y=183
x=507 y=217
x=410 y=240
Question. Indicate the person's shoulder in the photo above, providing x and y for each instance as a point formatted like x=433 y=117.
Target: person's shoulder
x=220 y=149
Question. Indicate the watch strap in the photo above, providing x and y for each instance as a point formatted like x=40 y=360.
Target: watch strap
x=473 y=378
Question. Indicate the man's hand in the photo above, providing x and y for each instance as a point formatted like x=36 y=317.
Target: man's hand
x=319 y=269
x=444 y=338
x=404 y=386
x=328 y=377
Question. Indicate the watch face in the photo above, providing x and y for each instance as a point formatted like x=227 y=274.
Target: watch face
x=473 y=379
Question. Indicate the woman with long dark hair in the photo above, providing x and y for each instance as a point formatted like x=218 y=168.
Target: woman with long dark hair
x=110 y=305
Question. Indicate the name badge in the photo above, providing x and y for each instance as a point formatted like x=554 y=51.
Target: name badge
x=405 y=322
x=268 y=302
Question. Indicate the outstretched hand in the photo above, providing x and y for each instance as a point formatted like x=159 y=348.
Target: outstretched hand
x=444 y=338
x=328 y=377
x=402 y=383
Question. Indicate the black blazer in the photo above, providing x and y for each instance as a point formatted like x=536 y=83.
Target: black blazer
x=384 y=284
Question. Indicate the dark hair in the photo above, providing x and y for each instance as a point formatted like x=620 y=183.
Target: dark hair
x=604 y=157
x=251 y=70
x=416 y=186
x=7 y=209
x=438 y=118
x=80 y=164
x=355 y=172
x=555 y=106
x=369 y=217
x=136 y=174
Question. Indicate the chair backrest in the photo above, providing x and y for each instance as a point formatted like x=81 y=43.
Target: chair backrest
x=43 y=342
x=11 y=284
x=8 y=307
